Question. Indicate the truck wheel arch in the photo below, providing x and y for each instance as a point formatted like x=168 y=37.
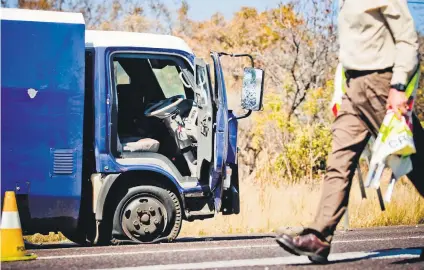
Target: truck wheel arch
x=131 y=178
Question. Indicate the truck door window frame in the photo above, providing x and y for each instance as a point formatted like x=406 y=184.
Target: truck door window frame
x=112 y=91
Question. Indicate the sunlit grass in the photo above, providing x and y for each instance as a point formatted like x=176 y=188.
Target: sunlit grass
x=264 y=209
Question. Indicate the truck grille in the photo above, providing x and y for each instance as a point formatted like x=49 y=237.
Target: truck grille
x=63 y=161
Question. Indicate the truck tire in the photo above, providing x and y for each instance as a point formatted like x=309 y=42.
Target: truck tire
x=147 y=213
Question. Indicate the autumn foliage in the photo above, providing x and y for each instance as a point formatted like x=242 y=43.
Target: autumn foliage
x=295 y=43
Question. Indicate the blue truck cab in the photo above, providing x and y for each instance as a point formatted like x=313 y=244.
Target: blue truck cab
x=112 y=136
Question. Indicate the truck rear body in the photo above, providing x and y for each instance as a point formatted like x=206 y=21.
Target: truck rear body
x=42 y=100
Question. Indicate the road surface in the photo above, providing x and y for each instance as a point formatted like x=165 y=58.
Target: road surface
x=377 y=248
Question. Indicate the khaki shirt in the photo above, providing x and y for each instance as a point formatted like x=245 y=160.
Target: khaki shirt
x=377 y=34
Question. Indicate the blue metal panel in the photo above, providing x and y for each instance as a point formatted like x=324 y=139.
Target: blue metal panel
x=221 y=134
x=115 y=167
x=42 y=108
x=232 y=138
x=100 y=107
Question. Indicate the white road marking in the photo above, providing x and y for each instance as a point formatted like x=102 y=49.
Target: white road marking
x=293 y=260
x=207 y=249
x=378 y=239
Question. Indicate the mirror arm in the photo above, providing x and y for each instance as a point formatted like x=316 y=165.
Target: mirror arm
x=249 y=112
x=239 y=55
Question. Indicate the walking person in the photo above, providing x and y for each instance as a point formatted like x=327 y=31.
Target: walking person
x=379 y=53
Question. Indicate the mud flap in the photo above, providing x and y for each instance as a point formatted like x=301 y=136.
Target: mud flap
x=231 y=196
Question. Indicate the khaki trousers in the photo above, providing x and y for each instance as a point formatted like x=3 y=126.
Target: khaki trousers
x=361 y=114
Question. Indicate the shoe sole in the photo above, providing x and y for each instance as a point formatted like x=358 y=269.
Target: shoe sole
x=287 y=246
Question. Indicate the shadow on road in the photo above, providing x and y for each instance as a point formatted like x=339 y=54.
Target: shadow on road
x=29 y=245
x=413 y=260
x=382 y=254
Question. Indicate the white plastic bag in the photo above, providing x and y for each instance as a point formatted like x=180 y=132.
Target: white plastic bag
x=394 y=144
x=392 y=148
x=400 y=166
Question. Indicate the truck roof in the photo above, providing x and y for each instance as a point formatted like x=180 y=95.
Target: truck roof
x=29 y=15
x=96 y=38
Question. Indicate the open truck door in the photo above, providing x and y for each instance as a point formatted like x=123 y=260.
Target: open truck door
x=212 y=125
x=206 y=116
x=222 y=184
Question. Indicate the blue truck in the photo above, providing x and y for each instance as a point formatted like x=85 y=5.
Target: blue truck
x=112 y=137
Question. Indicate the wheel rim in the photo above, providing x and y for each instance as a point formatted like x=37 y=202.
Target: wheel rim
x=143 y=218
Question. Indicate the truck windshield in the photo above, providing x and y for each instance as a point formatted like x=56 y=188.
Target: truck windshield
x=169 y=81
x=121 y=77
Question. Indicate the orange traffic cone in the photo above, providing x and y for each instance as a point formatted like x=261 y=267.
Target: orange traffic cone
x=12 y=241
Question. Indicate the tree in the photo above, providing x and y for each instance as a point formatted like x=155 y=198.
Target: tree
x=304 y=53
x=128 y=15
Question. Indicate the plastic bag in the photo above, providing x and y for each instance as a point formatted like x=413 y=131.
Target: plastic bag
x=394 y=143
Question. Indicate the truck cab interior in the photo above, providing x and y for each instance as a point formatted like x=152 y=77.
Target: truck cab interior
x=140 y=82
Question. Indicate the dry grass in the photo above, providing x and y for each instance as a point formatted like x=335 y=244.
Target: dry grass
x=50 y=238
x=265 y=207
x=405 y=208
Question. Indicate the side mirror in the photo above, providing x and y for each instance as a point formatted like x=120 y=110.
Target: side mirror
x=253 y=86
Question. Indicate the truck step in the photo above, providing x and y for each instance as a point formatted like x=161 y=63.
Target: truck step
x=189 y=179
x=192 y=215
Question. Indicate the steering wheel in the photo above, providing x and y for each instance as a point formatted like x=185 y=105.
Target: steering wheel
x=163 y=107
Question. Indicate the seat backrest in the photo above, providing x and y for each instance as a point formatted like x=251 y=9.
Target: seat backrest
x=143 y=78
x=130 y=105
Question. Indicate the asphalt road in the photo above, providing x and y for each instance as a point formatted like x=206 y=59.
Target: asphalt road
x=378 y=248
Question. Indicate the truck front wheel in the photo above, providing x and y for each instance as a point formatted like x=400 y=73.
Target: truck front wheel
x=147 y=213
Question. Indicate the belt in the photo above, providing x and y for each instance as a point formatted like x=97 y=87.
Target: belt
x=350 y=73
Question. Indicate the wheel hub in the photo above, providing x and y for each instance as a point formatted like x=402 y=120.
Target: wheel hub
x=143 y=217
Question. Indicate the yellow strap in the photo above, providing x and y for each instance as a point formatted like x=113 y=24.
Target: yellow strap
x=343 y=81
x=413 y=83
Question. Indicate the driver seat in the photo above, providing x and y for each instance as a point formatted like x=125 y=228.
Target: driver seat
x=137 y=144
x=129 y=101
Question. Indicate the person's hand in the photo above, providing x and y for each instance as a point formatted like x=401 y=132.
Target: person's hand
x=397 y=101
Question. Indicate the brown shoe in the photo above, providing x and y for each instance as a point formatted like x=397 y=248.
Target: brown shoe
x=309 y=244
